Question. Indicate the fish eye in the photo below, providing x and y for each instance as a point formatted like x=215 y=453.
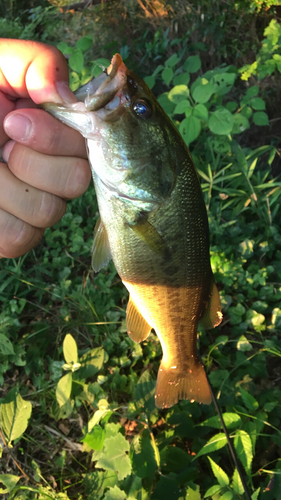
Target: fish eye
x=142 y=108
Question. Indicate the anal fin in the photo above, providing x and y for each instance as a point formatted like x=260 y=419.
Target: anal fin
x=137 y=327
x=101 y=255
x=212 y=317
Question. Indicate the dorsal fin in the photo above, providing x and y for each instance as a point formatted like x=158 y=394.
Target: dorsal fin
x=101 y=255
x=212 y=316
x=137 y=327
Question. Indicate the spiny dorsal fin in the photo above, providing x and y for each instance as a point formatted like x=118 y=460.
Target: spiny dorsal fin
x=137 y=327
x=213 y=315
x=147 y=232
x=100 y=250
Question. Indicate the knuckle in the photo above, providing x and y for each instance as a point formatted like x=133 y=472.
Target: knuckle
x=50 y=211
x=52 y=139
x=18 y=237
x=78 y=178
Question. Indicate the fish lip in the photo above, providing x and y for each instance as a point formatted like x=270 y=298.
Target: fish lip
x=110 y=87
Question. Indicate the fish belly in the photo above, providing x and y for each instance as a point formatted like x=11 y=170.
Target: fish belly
x=174 y=314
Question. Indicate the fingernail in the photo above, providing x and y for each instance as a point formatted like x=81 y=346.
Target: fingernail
x=7 y=150
x=18 y=127
x=65 y=92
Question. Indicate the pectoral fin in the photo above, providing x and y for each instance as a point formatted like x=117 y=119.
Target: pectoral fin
x=147 y=232
x=101 y=255
x=137 y=327
x=213 y=315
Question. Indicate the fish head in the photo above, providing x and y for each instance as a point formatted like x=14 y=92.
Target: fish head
x=130 y=139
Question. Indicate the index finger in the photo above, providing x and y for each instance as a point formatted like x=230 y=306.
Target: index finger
x=31 y=69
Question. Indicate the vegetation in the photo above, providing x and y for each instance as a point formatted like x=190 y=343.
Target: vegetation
x=77 y=411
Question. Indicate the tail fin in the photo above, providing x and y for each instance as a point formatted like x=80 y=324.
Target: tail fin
x=174 y=384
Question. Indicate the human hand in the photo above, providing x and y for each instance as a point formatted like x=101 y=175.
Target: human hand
x=46 y=160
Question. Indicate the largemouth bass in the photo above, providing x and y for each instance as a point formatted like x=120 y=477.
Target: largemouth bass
x=153 y=222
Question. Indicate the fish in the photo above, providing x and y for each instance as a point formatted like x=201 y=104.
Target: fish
x=152 y=222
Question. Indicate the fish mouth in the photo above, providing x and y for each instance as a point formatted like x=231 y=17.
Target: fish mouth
x=109 y=97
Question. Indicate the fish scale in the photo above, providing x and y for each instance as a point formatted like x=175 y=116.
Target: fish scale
x=153 y=223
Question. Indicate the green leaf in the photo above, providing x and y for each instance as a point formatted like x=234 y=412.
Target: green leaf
x=244 y=450
x=249 y=401
x=255 y=495
x=70 y=351
x=166 y=488
x=91 y=362
x=63 y=390
x=228 y=495
x=246 y=248
x=193 y=494
x=243 y=344
x=6 y=346
x=260 y=118
x=202 y=90
x=150 y=81
x=252 y=91
x=276 y=317
x=223 y=82
x=95 y=438
x=132 y=486
x=221 y=122
x=74 y=80
x=220 y=144
x=200 y=111
x=237 y=483
x=143 y=457
x=247 y=112
x=115 y=456
x=15 y=413
x=95 y=483
x=76 y=61
x=230 y=419
x=167 y=75
x=115 y=494
x=257 y=103
x=181 y=107
x=97 y=417
x=8 y=480
x=215 y=443
x=174 y=459
x=213 y=490
x=219 y=473
x=192 y=64
x=240 y=123
x=144 y=393
x=178 y=93
x=231 y=106
x=172 y=61
x=190 y=129
x=254 y=319
x=84 y=43
x=181 y=79
x=166 y=104
x=236 y=313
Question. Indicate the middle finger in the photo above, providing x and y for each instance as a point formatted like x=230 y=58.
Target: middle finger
x=37 y=208
x=64 y=176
